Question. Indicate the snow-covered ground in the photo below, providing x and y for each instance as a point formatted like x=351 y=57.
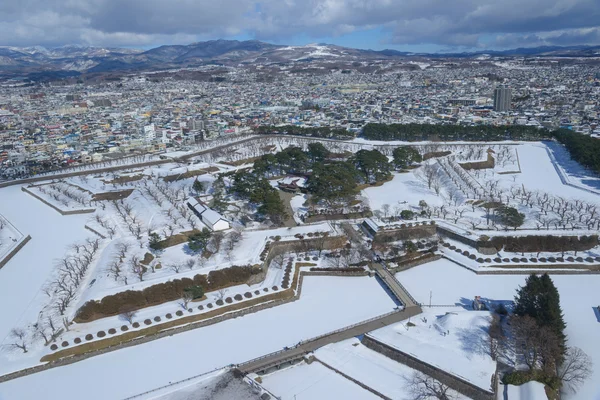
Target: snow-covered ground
x=450 y=339
x=23 y=276
x=326 y=304
x=374 y=370
x=450 y=284
x=10 y=237
x=527 y=391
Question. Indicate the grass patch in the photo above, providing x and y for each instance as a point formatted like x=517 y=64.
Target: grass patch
x=305 y=264
x=123 y=194
x=375 y=184
x=175 y=239
x=185 y=175
x=148 y=258
x=153 y=330
x=123 y=179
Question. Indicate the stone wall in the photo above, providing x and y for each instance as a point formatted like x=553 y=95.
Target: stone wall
x=73 y=212
x=403 y=266
x=14 y=251
x=460 y=385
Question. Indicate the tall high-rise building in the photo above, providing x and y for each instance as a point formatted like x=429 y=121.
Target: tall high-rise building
x=502 y=98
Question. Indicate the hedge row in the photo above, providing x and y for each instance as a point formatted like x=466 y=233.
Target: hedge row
x=349 y=269
x=553 y=244
x=162 y=293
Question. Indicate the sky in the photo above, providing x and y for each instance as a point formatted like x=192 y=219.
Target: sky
x=407 y=25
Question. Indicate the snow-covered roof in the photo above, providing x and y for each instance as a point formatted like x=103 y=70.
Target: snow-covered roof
x=211 y=216
x=198 y=206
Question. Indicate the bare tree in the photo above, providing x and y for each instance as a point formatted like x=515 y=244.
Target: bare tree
x=128 y=315
x=220 y=295
x=575 y=369
x=496 y=335
x=190 y=263
x=18 y=339
x=175 y=267
x=423 y=387
x=137 y=267
x=185 y=299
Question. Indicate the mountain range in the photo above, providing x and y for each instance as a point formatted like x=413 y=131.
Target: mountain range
x=73 y=60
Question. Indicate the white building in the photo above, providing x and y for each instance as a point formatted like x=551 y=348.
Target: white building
x=212 y=219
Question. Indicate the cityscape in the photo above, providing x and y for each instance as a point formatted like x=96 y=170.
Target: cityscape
x=335 y=200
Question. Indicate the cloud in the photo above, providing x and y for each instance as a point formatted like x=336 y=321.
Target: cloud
x=455 y=23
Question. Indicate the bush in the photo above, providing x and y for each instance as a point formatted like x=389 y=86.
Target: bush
x=78 y=340
x=501 y=309
x=136 y=324
x=124 y=328
x=89 y=336
x=480 y=260
x=209 y=305
x=219 y=302
x=533 y=260
x=542 y=259
x=169 y=316
x=190 y=310
x=579 y=259
x=275 y=288
x=101 y=334
x=238 y=297
x=497 y=260
x=248 y=295
x=466 y=253
x=570 y=259
x=488 y=260
x=53 y=347
x=505 y=260
x=64 y=344
x=111 y=331
x=472 y=256
x=257 y=292
x=179 y=313
x=157 y=319
x=266 y=289
x=551 y=259
x=560 y=259
x=163 y=292
x=147 y=321
x=518 y=378
x=229 y=300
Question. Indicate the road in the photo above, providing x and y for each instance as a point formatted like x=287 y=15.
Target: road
x=303 y=348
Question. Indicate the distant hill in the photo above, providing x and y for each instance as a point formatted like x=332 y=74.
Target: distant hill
x=82 y=59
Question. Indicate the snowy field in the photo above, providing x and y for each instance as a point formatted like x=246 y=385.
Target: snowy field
x=313 y=382
x=450 y=284
x=452 y=340
x=326 y=304
x=24 y=275
x=10 y=237
x=378 y=372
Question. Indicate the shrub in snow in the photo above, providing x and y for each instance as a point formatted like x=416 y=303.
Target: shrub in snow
x=190 y=310
x=266 y=289
x=498 y=260
x=101 y=334
x=157 y=319
x=551 y=259
x=472 y=256
x=452 y=247
x=77 y=340
x=533 y=259
x=219 y=302
x=238 y=297
x=570 y=259
x=147 y=321
x=257 y=292
x=275 y=288
x=209 y=305
x=179 y=313
x=124 y=328
x=53 y=347
x=136 y=324
x=229 y=300
x=247 y=295
x=488 y=260
x=89 y=336
x=560 y=259
x=543 y=259
x=169 y=316
x=112 y=331
x=579 y=259
x=589 y=259
x=64 y=344
x=480 y=260
x=523 y=260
